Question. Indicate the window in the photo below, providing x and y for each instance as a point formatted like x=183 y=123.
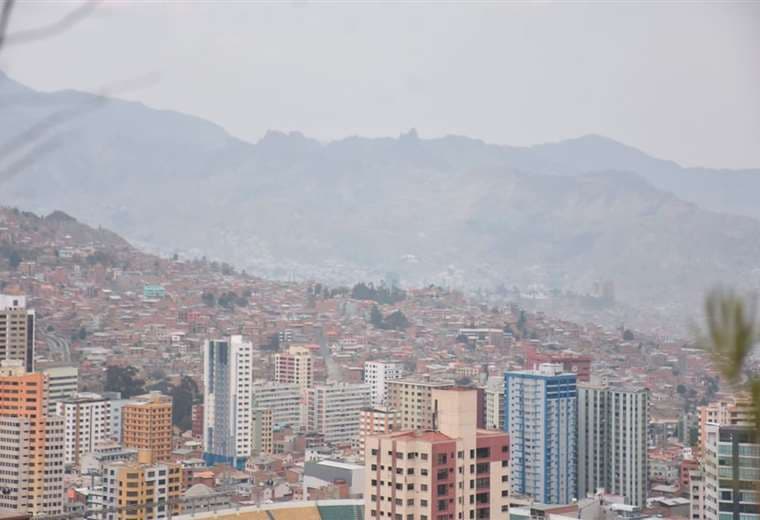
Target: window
x=482 y=453
x=441 y=458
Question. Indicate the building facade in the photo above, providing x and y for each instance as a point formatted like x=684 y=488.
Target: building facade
x=612 y=441
x=285 y=401
x=294 y=366
x=540 y=417
x=228 y=400
x=147 y=425
x=31 y=444
x=375 y=421
x=63 y=383
x=731 y=473
x=87 y=419
x=142 y=490
x=453 y=472
x=376 y=375
x=261 y=431
x=736 y=410
x=16 y=330
x=334 y=411
x=494 y=403
x=413 y=401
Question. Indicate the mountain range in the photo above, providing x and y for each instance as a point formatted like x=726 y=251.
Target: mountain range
x=450 y=210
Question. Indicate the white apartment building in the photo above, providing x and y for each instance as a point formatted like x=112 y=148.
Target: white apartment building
x=376 y=374
x=87 y=420
x=494 y=396
x=334 y=411
x=612 y=441
x=63 y=383
x=228 y=400
x=283 y=399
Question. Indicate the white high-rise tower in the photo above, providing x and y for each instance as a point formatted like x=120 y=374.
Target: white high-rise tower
x=228 y=400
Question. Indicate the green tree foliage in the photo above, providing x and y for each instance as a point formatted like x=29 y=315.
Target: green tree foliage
x=394 y=321
x=732 y=331
x=124 y=380
x=628 y=335
x=184 y=396
x=376 y=317
x=14 y=259
x=383 y=295
x=208 y=298
x=100 y=257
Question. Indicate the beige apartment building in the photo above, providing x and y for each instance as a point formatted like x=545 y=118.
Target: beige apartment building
x=375 y=421
x=453 y=472
x=294 y=366
x=412 y=399
x=16 y=330
x=262 y=431
x=736 y=410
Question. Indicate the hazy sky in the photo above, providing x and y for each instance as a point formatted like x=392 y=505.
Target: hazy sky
x=680 y=80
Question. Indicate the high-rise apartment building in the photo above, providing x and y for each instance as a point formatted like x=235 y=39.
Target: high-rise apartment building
x=31 y=444
x=284 y=399
x=376 y=375
x=333 y=410
x=16 y=330
x=453 y=472
x=731 y=473
x=375 y=421
x=612 y=441
x=696 y=495
x=261 y=431
x=147 y=425
x=736 y=410
x=228 y=400
x=142 y=490
x=63 y=383
x=540 y=417
x=294 y=366
x=412 y=398
x=87 y=419
x=494 y=403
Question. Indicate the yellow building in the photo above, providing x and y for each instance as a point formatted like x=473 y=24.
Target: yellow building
x=143 y=490
x=261 y=431
x=147 y=425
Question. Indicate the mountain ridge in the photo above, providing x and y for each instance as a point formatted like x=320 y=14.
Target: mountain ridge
x=451 y=209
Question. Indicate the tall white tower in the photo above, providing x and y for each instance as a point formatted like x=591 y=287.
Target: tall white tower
x=228 y=400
